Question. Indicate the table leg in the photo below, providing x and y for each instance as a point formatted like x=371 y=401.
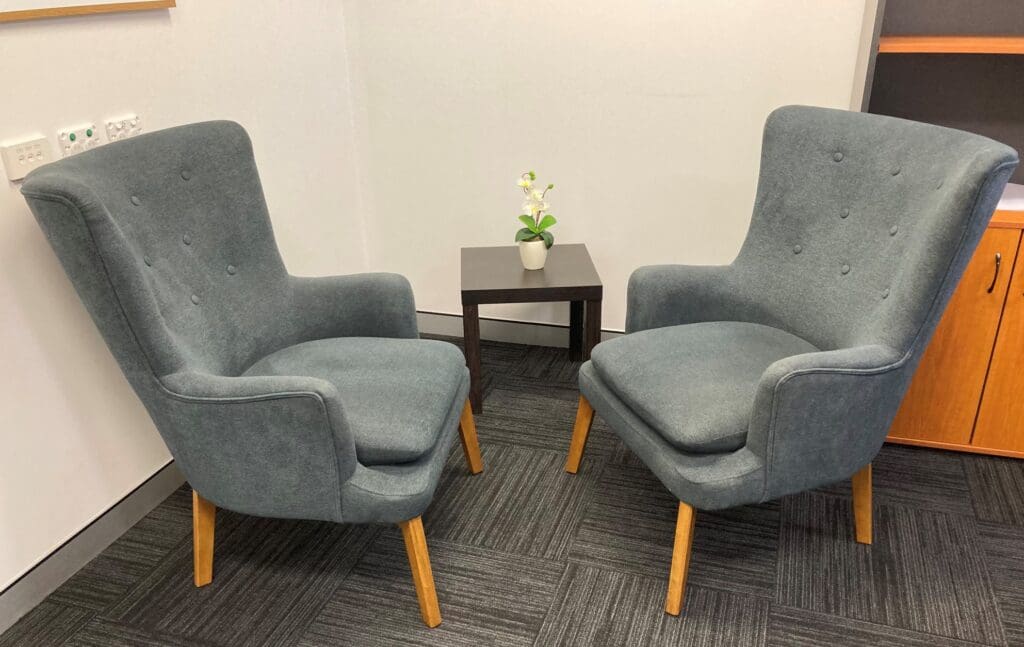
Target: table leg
x=471 y=339
x=576 y=331
x=593 y=325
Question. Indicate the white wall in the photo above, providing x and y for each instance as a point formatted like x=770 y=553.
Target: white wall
x=74 y=438
x=646 y=115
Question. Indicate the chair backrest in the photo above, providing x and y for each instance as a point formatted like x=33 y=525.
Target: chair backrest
x=863 y=224
x=167 y=239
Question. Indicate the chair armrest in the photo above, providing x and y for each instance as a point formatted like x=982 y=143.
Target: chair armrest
x=819 y=417
x=357 y=305
x=269 y=446
x=670 y=295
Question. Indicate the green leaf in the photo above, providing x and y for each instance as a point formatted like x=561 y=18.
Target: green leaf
x=546 y=222
x=530 y=223
x=525 y=234
x=549 y=240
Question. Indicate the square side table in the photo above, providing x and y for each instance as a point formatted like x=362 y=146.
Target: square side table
x=496 y=275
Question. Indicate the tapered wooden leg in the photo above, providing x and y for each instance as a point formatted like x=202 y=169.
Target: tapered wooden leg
x=862 y=504
x=204 y=515
x=422 y=577
x=470 y=445
x=580 y=431
x=680 y=559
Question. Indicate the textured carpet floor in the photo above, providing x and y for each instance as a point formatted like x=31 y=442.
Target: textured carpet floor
x=525 y=554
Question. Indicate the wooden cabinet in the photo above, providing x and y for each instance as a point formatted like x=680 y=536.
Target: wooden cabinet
x=1001 y=416
x=968 y=391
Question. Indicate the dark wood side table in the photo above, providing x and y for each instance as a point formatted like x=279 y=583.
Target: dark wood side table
x=496 y=275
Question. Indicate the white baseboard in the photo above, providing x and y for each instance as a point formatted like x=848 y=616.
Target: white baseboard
x=44 y=578
x=506 y=330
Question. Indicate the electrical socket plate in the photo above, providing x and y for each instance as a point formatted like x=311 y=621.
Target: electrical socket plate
x=21 y=157
x=75 y=139
x=123 y=127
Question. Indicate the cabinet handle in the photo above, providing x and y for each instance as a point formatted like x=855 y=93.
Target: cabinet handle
x=995 y=277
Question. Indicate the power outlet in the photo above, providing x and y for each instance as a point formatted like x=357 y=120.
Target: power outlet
x=21 y=157
x=74 y=140
x=123 y=127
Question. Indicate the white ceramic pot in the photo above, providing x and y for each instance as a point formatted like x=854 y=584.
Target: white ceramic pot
x=533 y=253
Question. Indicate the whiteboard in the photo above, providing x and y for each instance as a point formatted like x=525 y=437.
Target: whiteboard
x=11 y=10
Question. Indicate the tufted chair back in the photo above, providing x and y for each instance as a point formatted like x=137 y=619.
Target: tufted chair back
x=855 y=222
x=176 y=224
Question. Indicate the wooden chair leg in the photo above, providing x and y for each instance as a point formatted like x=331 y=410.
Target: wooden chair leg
x=470 y=444
x=862 y=504
x=580 y=431
x=680 y=559
x=422 y=577
x=204 y=515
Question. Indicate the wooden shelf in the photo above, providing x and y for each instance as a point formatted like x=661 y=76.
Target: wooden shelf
x=951 y=45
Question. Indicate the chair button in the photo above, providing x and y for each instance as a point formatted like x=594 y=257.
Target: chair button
x=844 y=213
x=195 y=299
x=186 y=175
x=885 y=293
x=895 y=170
x=837 y=156
x=845 y=269
x=136 y=201
x=797 y=249
x=894 y=230
x=186 y=239
x=148 y=261
x=231 y=270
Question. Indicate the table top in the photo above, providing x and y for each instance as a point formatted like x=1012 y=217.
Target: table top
x=496 y=275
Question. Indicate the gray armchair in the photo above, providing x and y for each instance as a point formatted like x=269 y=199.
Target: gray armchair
x=783 y=371
x=278 y=396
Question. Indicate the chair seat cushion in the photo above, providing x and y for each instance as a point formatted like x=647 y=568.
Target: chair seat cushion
x=395 y=393
x=695 y=384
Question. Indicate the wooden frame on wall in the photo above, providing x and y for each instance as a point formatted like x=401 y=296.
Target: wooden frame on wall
x=8 y=15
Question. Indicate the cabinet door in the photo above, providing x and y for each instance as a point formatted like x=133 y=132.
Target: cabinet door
x=942 y=401
x=1001 y=415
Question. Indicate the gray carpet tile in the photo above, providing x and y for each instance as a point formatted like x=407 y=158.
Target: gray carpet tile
x=270 y=579
x=109 y=577
x=924 y=572
x=49 y=623
x=487 y=597
x=532 y=420
x=997 y=487
x=524 y=502
x=788 y=627
x=599 y=607
x=1004 y=555
x=925 y=479
x=527 y=554
x=103 y=632
x=629 y=527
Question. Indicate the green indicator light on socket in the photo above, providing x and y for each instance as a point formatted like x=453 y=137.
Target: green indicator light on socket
x=72 y=137
x=88 y=132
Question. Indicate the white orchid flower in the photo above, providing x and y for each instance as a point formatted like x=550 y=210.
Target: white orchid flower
x=524 y=182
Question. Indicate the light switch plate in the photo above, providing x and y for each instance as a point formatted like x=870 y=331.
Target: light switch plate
x=21 y=157
x=123 y=127
x=76 y=139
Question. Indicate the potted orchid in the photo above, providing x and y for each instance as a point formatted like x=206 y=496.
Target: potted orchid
x=534 y=239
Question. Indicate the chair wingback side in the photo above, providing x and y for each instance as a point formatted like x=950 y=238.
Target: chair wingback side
x=863 y=224
x=167 y=239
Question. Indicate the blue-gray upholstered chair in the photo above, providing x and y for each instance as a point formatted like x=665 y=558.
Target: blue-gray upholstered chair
x=278 y=396
x=783 y=370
